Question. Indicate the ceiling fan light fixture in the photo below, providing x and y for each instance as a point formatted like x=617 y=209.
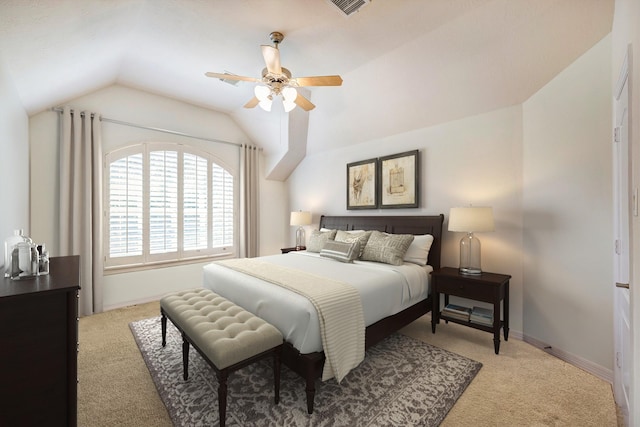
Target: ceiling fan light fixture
x=266 y=104
x=288 y=105
x=263 y=93
x=289 y=95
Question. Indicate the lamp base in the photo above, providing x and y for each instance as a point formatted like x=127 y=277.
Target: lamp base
x=470 y=271
x=470 y=255
x=300 y=238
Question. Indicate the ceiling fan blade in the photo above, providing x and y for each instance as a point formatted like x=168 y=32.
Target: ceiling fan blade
x=225 y=76
x=304 y=103
x=252 y=102
x=272 y=59
x=318 y=81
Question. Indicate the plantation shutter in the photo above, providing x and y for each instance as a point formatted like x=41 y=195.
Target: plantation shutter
x=222 y=207
x=167 y=203
x=163 y=202
x=195 y=202
x=126 y=206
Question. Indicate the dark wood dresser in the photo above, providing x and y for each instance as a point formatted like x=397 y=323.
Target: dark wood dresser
x=39 y=344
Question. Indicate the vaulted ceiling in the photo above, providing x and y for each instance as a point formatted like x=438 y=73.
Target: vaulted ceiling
x=406 y=64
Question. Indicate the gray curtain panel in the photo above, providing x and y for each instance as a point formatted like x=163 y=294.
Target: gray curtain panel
x=80 y=197
x=249 y=169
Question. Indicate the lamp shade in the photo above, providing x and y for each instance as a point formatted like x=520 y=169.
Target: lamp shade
x=471 y=219
x=300 y=218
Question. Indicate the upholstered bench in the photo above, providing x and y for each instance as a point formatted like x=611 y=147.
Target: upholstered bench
x=226 y=336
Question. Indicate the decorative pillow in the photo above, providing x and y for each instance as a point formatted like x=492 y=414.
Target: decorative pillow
x=418 y=251
x=341 y=251
x=387 y=248
x=318 y=239
x=349 y=236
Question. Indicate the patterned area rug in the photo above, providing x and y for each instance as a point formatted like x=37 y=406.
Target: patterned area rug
x=401 y=382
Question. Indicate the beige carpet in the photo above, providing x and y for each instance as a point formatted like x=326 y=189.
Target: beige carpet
x=522 y=386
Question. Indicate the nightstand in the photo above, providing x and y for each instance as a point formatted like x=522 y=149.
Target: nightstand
x=485 y=287
x=287 y=250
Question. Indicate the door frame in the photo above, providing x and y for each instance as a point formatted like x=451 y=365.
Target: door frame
x=625 y=197
x=623 y=200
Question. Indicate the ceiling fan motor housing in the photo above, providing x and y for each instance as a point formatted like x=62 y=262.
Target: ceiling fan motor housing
x=276 y=81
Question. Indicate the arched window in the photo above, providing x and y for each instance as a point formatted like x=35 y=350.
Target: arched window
x=166 y=202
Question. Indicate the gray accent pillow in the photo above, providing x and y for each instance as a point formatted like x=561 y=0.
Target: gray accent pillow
x=341 y=251
x=318 y=239
x=387 y=248
x=349 y=237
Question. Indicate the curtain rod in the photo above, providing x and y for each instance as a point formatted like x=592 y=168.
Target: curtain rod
x=172 y=132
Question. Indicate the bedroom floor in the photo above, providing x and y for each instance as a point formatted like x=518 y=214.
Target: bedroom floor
x=521 y=386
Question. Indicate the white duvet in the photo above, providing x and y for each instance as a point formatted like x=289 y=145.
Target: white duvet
x=384 y=290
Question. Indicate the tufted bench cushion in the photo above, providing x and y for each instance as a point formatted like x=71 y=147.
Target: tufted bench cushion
x=227 y=336
x=226 y=333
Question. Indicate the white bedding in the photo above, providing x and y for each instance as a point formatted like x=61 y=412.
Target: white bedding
x=384 y=290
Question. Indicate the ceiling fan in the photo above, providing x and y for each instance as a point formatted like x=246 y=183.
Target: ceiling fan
x=276 y=80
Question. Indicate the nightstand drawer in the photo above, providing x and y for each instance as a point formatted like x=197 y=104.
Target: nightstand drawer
x=476 y=291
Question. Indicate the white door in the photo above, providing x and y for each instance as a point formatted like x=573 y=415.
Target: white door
x=622 y=210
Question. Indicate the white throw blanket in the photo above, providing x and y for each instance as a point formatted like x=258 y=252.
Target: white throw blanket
x=338 y=305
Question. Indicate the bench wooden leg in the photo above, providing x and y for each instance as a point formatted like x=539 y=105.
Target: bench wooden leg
x=163 y=322
x=222 y=395
x=185 y=357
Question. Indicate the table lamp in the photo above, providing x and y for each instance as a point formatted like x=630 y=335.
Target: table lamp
x=300 y=218
x=470 y=220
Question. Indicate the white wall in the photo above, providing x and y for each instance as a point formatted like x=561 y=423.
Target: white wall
x=134 y=106
x=475 y=160
x=567 y=204
x=545 y=167
x=14 y=162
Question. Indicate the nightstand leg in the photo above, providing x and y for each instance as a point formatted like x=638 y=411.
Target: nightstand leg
x=496 y=325
x=435 y=311
x=505 y=303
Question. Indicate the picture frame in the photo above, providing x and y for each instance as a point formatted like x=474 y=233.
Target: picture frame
x=399 y=180
x=362 y=187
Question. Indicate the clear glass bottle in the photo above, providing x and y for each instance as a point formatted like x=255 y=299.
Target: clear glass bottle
x=43 y=253
x=25 y=259
x=9 y=244
x=45 y=263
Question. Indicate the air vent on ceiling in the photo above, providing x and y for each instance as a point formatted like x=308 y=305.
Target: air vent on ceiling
x=349 y=6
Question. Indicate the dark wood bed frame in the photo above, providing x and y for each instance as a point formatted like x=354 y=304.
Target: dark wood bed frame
x=309 y=366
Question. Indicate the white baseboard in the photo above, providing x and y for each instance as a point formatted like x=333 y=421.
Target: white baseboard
x=133 y=302
x=593 y=368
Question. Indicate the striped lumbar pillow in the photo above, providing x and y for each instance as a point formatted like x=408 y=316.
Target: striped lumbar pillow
x=341 y=251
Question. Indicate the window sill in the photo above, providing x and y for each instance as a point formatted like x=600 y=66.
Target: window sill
x=120 y=269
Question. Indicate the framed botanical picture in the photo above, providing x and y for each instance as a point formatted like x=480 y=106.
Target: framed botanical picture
x=398 y=180
x=361 y=184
